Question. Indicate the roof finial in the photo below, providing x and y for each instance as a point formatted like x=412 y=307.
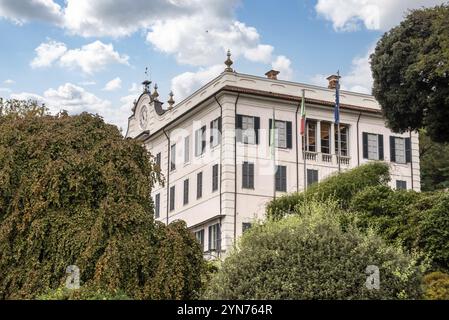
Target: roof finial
x=170 y=101
x=155 y=94
x=229 y=62
x=146 y=83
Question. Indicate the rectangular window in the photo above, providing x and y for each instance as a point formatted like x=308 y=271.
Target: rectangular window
x=214 y=237
x=215 y=132
x=187 y=149
x=311 y=136
x=248 y=175
x=172 y=198
x=325 y=137
x=157 y=205
x=247 y=129
x=281 y=179
x=173 y=157
x=200 y=141
x=199 y=185
x=246 y=226
x=373 y=146
x=312 y=176
x=401 y=185
x=400 y=150
x=199 y=235
x=373 y=151
x=344 y=138
x=158 y=160
x=282 y=134
x=186 y=192
x=215 y=178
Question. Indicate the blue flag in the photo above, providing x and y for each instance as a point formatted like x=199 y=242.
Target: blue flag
x=337 y=100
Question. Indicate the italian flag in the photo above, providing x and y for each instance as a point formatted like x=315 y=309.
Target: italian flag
x=303 y=113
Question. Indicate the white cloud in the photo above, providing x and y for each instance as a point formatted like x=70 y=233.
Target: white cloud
x=47 y=53
x=90 y=58
x=283 y=65
x=113 y=85
x=349 y=15
x=358 y=79
x=5 y=90
x=76 y=99
x=9 y=81
x=120 y=18
x=186 y=83
x=21 y=11
x=202 y=41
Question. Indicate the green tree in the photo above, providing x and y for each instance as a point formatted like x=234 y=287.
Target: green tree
x=314 y=256
x=410 y=68
x=434 y=163
x=416 y=221
x=340 y=187
x=73 y=191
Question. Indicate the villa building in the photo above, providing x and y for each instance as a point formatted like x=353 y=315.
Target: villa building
x=221 y=167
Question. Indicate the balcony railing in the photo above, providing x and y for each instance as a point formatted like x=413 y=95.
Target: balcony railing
x=344 y=160
x=310 y=156
x=326 y=157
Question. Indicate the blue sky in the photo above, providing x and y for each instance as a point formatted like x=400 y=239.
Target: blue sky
x=83 y=55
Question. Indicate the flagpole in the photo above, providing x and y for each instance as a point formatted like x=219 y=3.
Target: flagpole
x=273 y=151
x=304 y=142
x=337 y=106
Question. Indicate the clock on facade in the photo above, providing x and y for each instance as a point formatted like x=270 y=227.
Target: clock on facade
x=143 y=118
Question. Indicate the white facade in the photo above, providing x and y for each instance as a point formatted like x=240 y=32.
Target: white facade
x=226 y=205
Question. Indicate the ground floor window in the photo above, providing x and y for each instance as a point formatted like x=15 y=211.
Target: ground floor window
x=401 y=185
x=214 y=237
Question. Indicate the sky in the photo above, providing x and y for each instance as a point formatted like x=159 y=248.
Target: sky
x=83 y=55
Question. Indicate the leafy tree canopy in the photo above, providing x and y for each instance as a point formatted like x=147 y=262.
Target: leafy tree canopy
x=410 y=67
x=73 y=191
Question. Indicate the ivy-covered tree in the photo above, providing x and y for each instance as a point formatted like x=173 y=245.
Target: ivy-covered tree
x=410 y=67
x=73 y=191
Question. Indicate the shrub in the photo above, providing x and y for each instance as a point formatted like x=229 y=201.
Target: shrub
x=83 y=293
x=341 y=187
x=436 y=286
x=418 y=221
x=73 y=191
x=432 y=228
x=312 y=257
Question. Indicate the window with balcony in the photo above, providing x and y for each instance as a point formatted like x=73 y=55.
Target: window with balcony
x=311 y=136
x=344 y=138
x=325 y=138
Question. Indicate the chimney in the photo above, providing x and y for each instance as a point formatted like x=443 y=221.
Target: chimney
x=333 y=80
x=272 y=74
